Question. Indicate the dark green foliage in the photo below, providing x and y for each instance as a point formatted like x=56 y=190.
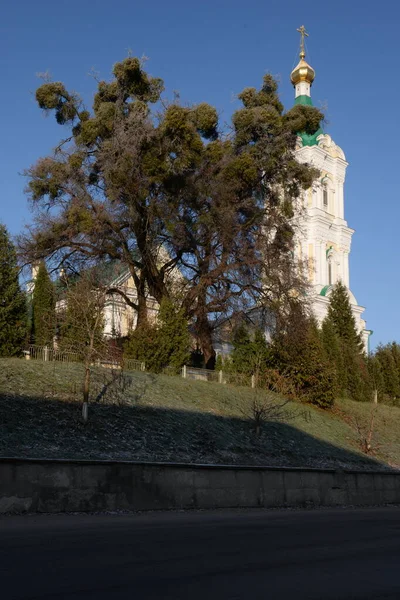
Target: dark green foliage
x=173 y=339
x=376 y=376
x=54 y=96
x=390 y=375
x=241 y=350
x=250 y=354
x=332 y=347
x=219 y=363
x=164 y=344
x=395 y=350
x=205 y=118
x=43 y=326
x=330 y=340
x=352 y=369
x=298 y=354
x=197 y=359
x=13 y=313
x=341 y=315
x=142 y=345
x=135 y=82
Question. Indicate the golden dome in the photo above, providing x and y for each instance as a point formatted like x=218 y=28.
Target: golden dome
x=303 y=72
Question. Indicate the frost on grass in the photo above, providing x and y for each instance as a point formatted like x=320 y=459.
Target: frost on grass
x=161 y=418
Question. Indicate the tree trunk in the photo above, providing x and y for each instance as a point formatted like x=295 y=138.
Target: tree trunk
x=142 y=302
x=204 y=335
x=86 y=388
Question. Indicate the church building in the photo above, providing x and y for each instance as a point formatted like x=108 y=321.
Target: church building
x=325 y=238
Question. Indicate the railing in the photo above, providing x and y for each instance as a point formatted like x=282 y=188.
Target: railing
x=131 y=364
x=217 y=376
x=201 y=374
x=114 y=361
x=46 y=354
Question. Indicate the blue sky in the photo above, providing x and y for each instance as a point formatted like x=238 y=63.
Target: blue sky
x=208 y=51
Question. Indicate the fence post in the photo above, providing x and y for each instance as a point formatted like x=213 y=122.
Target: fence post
x=184 y=374
x=220 y=377
x=253 y=381
x=142 y=366
x=46 y=354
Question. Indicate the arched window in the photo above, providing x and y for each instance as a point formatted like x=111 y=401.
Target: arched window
x=329 y=259
x=325 y=195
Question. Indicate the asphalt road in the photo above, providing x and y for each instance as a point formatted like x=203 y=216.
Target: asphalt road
x=320 y=554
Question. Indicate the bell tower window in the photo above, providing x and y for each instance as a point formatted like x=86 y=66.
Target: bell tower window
x=325 y=196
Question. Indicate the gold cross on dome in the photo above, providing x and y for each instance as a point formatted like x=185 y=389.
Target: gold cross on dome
x=303 y=33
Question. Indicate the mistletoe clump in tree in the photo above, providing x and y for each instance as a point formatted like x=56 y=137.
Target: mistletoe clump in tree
x=13 y=314
x=165 y=190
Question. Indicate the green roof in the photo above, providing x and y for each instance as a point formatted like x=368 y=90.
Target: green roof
x=304 y=100
x=325 y=290
x=307 y=139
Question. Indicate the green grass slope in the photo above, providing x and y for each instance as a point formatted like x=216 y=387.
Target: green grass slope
x=161 y=418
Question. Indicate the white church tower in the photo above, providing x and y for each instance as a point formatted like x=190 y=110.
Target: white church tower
x=325 y=238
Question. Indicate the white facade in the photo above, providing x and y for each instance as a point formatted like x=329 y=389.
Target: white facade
x=325 y=238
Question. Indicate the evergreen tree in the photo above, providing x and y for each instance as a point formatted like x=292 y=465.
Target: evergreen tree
x=43 y=309
x=299 y=354
x=241 y=342
x=141 y=344
x=219 y=363
x=354 y=374
x=163 y=344
x=173 y=338
x=395 y=349
x=320 y=376
x=391 y=382
x=341 y=315
x=376 y=376
x=331 y=345
x=250 y=354
x=13 y=313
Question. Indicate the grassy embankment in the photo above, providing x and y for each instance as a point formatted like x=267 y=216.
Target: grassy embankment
x=172 y=419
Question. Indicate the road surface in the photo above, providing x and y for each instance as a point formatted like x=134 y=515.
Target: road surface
x=296 y=555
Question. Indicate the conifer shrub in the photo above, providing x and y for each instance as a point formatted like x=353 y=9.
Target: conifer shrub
x=385 y=367
x=299 y=355
x=163 y=344
x=250 y=354
x=348 y=355
x=13 y=309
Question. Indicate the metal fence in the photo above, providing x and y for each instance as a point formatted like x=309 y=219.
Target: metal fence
x=217 y=376
x=116 y=361
x=48 y=354
x=201 y=374
x=113 y=360
x=131 y=364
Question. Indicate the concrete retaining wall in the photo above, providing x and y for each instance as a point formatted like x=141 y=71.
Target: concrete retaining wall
x=61 y=486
